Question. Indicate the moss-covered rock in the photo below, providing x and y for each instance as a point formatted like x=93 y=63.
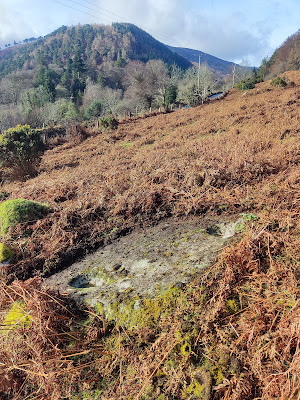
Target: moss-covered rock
x=199 y=387
x=5 y=253
x=15 y=211
x=17 y=316
x=138 y=312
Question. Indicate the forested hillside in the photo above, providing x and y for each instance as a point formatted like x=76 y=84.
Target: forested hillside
x=84 y=72
x=285 y=58
x=97 y=44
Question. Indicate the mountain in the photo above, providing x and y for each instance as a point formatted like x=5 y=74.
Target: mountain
x=285 y=58
x=88 y=71
x=218 y=65
x=100 y=44
x=97 y=44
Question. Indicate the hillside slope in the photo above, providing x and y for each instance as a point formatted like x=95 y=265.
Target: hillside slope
x=233 y=332
x=170 y=164
x=286 y=57
x=220 y=67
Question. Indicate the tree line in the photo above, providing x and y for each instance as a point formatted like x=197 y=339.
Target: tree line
x=85 y=72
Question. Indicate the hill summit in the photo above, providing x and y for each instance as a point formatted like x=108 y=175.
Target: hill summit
x=98 y=44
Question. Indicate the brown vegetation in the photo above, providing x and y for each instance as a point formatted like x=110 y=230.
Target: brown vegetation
x=286 y=57
x=233 y=333
x=217 y=157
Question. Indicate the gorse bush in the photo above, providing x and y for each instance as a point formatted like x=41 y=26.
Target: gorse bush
x=20 y=151
x=109 y=122
x=279 y=82
x=246 y=85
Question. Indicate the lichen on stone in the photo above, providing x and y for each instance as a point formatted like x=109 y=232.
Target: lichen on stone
x=136 y=311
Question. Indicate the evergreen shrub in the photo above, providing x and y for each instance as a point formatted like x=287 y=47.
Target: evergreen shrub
x=109 y=122
x=20 y=151
x=279 y=82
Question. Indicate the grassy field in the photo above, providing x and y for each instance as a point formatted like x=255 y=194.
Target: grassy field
x=231 y=334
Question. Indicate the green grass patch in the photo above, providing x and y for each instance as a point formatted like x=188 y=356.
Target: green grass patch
x=126 y=144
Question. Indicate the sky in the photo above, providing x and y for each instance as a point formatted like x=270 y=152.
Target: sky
x=242 y=31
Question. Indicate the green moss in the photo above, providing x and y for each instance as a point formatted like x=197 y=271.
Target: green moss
x=246 y=219
x=99 y=308
x=147 y=394
x=199 y=387
x=5 y=253
x=100 y=273
x=218 y=377
x=87 y=395
x=286 y=303
x=138 y=312
x=232 y=306
x=216 y=372
x=195 y=389
x=13 y=212
x=185 y=350
x=161 y=397
x=17 y=316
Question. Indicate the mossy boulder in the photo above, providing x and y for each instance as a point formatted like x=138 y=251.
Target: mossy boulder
x=15 y=211
x=18 y=316
x=5 y=253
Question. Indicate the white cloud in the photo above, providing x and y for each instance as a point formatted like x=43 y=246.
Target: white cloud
x=180 y=23
x=12 y=25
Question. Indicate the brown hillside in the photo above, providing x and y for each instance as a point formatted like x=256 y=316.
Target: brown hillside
x=286 y=57
x=227 y=156
x=233 y=333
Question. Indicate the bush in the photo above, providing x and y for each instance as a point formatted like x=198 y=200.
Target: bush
x=13 y=212
x=109 y=122
x=245 y=85
x=279 y=82
x=20 y=150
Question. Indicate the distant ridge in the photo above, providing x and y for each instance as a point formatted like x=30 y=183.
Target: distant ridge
x=217 y=64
